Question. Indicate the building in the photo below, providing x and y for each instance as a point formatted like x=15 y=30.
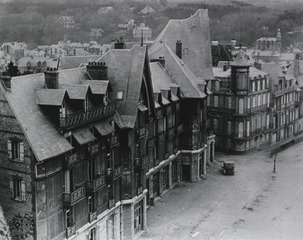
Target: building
x=14 y=49
x=68 y=22
x=253 y=106
x=147 y=10
x=142 y=31
x=84 y=151
x=35 y=64
x=96 y=34
x=239 y=109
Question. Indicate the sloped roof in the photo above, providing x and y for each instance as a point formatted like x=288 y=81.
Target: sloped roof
x=220 y=73
x=51 y=97
x=240 y=60
x=195 y=37
x=178 y=71
x=68 y=62
x=97 y=86
x=274 y=70
x=77 y=92
x=255 y=72
x=125 y=73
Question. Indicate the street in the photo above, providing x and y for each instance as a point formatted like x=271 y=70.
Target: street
x=255 y=203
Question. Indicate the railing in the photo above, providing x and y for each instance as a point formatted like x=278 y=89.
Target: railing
x=70 y=231
x=221 y=109
x=111 y=203
x=93 y=148
x=71 y=159
x=74 y=197
x=141 y=132
x=92 y=216
x=94 y=185
x=79 y=118
x=139 y=190
x=256 y=109
x=142 y=163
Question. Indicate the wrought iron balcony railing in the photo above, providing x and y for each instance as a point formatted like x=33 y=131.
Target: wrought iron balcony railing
x=70 y=199
x=97 y=183
x=71 y=158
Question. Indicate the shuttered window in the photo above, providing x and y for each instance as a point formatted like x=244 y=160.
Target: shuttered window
x=15 y=149
x=17 y=189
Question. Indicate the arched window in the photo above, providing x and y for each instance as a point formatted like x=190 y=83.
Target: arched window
x=240 y=130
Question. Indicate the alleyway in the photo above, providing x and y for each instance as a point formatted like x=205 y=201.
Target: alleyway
x=255 y=203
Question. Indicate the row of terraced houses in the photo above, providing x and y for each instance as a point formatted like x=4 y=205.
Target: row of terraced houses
x=85 y=151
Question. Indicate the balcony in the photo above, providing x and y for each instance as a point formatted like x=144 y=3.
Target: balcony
x=141 y=132
x=94 y=185
x=256 y=109
x=80 y=118
x=113 y=141
x=93 y=148
x=221 y=109
x=116 y=173
x=139 y=190
x=92 y=216
x=70 y=231
x=141 y=163
x=71 y=158
x=111 y=203
x=70 y=199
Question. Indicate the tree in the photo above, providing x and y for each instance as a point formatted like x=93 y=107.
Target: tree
x=12 y=70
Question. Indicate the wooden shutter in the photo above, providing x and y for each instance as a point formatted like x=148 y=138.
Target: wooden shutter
x=11 y=187
x=9 y=149
x=21 y=157
x=23 y=190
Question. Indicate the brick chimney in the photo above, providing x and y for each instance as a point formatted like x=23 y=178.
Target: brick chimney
x=51 y=78
x=179 y=49
x=97 y=70
x=120 y=44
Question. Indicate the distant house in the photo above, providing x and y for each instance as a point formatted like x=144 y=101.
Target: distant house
x=15 y=49
x=35 y=64
x=96 y=34
x=147 y=10
x=104 y=10
x=144 y=30
x=67 y=22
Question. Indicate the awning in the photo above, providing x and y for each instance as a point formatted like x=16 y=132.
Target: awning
x=142 y=107
x=83 y=136
x=104 y=128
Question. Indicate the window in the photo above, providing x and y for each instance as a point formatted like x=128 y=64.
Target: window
x=248 y=103
x=253 y=101
x=15 y=148
x=216 y=101
x=92 y=234
x=264 y=98
x=240 y=130
x=119 y=95
x=263 y=84
x=259 y=85
x=105 y=99
x=248 y=128
x=17 y=188
x=259 y=100
x=215 y=124
x=111 y=227
x=229 y=105
x=229 y=127
x=90 y=204
x=253 y=87
x=241 y=103
x=69 y=218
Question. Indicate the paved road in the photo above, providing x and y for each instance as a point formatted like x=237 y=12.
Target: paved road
x=255 y=203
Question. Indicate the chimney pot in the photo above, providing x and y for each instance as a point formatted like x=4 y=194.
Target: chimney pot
x=51 y=78
x=179 y=49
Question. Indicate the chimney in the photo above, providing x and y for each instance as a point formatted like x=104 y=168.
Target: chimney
x=226 y=66
x=120 y=44
x=179 y=49
x=51 y=78
x=97 y=70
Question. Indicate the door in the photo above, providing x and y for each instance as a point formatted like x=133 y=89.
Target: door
x=186 y=172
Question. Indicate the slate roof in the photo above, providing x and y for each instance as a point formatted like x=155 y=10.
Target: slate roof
x=220 y=73
x=240 y=60
x=274 y=71
x=178 y=71
x=77 y=92
x=255 y=72
x=68 y=62
x=50 y=97
x=125 y=73
x=196 y=44
x=97 y=86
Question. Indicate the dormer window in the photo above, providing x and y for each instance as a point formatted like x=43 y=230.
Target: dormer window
x=63 y=110
x=105 y=99
x=119 y=95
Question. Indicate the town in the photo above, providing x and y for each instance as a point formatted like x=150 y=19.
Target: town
x=124 y=135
